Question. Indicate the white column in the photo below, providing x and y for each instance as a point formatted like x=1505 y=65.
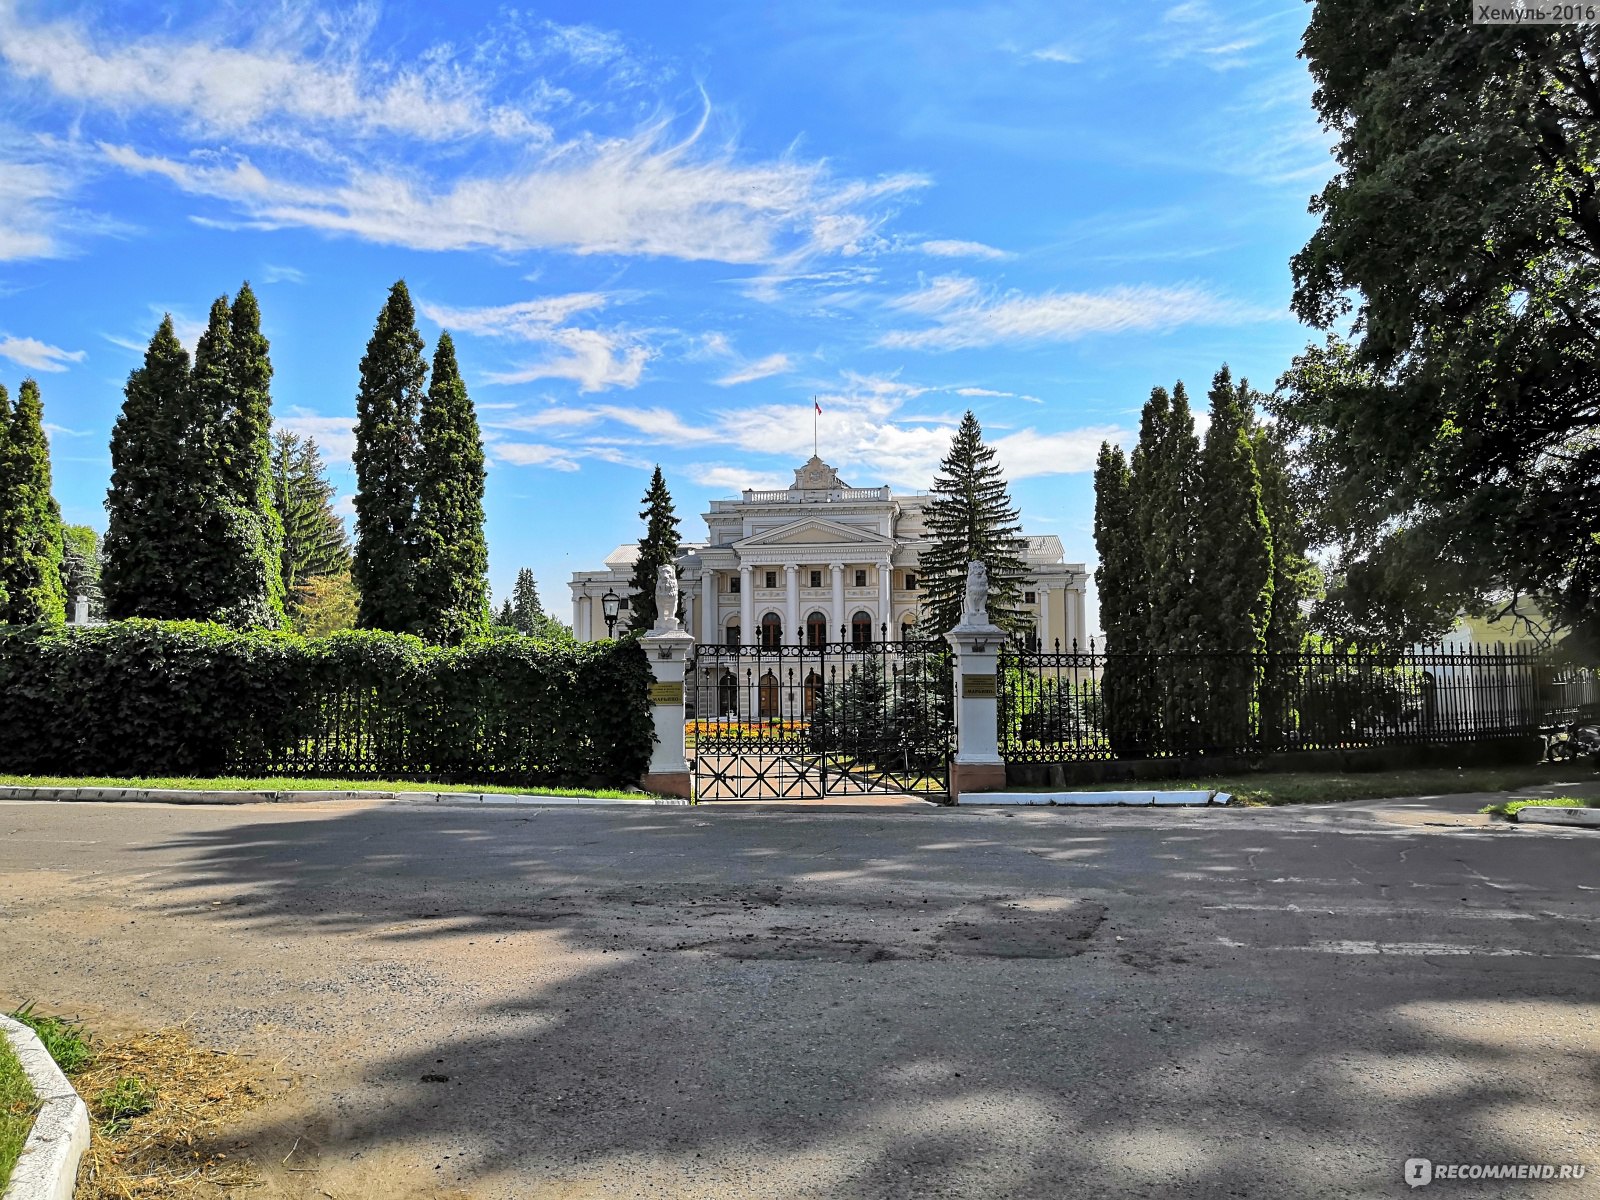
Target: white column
x=580 y=617
x=708 y=607
x=747 y=633
x=791 y=601
x=1044 y=617
x=837 y=618
x=885 y=597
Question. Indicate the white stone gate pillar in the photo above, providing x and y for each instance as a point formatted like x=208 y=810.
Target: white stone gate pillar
x=978 y=766
x=667 y=646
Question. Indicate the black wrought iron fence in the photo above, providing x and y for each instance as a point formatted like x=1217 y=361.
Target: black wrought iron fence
x=1085 y=704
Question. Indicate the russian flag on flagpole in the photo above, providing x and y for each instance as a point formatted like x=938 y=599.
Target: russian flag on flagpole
x=817 y=406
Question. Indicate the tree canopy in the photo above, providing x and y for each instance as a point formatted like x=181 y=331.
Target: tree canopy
x=31 y=585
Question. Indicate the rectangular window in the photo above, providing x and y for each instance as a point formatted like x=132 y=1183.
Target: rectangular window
x=911 y=582
x=733 y=584
x=1030 y=597
x=772 y=579
x=861 y=579
x=733 y=632
x=816 y=579
x=622 y=605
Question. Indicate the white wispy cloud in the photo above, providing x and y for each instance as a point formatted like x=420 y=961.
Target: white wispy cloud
x=952 y=248
x=533 y=454
x=991 y=392
x=1194 y=30
x=761 y=368
x=295 y=75
x=33 y=194
x=734 y=479
x=965 y=315
x=595 y=359
x=38 y=356
x=335 y=436
x=278 y=274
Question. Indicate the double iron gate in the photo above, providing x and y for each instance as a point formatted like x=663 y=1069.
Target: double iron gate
x=855 y=717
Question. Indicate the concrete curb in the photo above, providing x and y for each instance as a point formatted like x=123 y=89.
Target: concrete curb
x=1577 y=818
x=105 y=795
x=1199 y=797
x=48 y=1168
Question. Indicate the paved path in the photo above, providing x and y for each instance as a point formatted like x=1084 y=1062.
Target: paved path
x=907 y=1003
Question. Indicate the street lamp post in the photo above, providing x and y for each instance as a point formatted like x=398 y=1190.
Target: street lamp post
x=611 y=605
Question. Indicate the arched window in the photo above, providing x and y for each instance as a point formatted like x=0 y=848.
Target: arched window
x=908 y=629
x=813 y=692
x=816 y=630
x=728 y=695
x=771 y=631
x=768 y=695
x=861 y=630
x=733 y=634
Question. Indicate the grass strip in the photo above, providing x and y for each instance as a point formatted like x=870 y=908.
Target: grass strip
x=18 y=1106
x=1510 y=808
x=280 y=783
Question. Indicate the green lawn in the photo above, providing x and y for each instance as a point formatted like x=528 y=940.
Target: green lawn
x=17 y=1108
x=284 y=784
x=1326 y=787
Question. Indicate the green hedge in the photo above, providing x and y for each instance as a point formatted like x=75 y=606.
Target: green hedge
x=186 y=698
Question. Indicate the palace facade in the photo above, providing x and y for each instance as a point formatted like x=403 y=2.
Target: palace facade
x=823 y=561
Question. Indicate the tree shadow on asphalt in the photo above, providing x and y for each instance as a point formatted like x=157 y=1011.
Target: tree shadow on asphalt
x=762 y=1004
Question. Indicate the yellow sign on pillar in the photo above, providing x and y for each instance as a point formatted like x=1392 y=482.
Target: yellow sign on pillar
x=666 y=693
x=978 y=687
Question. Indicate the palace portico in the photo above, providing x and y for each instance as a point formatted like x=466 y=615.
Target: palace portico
x=807 y=561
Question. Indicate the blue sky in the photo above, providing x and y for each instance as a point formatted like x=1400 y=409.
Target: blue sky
x=656 y=231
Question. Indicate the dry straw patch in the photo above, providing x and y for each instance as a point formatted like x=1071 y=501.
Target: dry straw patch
x=182 y=1145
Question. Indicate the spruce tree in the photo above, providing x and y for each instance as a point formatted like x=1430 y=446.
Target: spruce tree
x=1234 y=545
x=246 y=446
x=1123 y=583
x=149 y=539
x=504 y=617
x=658 y=547
x=1165 y=489
x=393 y=375
x=523 y=611
x=971 y=519
x=315 y=542
x=450 y=555
x=30 y=522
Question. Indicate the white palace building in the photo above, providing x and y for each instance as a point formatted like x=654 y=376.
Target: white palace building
x=820 y=557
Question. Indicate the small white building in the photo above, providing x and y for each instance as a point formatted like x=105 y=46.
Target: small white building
x=820 y=557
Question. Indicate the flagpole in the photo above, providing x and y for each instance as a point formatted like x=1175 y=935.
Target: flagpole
x=813 y=427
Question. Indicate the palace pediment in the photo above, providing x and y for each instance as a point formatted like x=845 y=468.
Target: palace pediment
x=813 y=531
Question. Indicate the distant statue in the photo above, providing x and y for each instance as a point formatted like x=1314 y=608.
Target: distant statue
x=975 y=609
x=667 y=599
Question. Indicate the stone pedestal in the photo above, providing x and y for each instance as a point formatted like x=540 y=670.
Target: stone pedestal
x=668 y=648
x=977 y=766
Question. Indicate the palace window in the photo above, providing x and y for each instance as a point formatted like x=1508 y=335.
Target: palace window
x=911 y=581
x=816 y=579
x=816 y=630
x=861 y=630
x=772 y=579
x=622 y=605
x=733 y=583
x=1030 y=597
x=771 y=631
x=861 y=579
x=733 y=635
x=908 y=629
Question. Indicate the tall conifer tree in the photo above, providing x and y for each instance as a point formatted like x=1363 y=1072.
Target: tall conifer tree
x=393 y=375
x=523 y=611
x=315 y=542
x=148 y=541
x=1165 y=490
x=1234 y=547
x=246 y=444
x=659 y=546
x=30 y=522
x=1295 y=579
x=451 y=556
x=971 y=519
x=1123 y=583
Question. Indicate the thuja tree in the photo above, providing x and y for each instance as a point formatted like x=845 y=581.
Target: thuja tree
x=1295 y=578
x=246 y=449
x=146 y=568
x=657 y=548
x=1233 y=581
x=1123 y=583
x=451 y=557
x=31 y=586
x=971 y=519
x=393 y=375
x=1164 y=489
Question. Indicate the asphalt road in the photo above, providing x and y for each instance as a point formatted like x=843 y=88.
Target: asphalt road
x=950 y=1003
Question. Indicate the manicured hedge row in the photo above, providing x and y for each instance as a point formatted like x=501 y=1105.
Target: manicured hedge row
x=185 y=698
